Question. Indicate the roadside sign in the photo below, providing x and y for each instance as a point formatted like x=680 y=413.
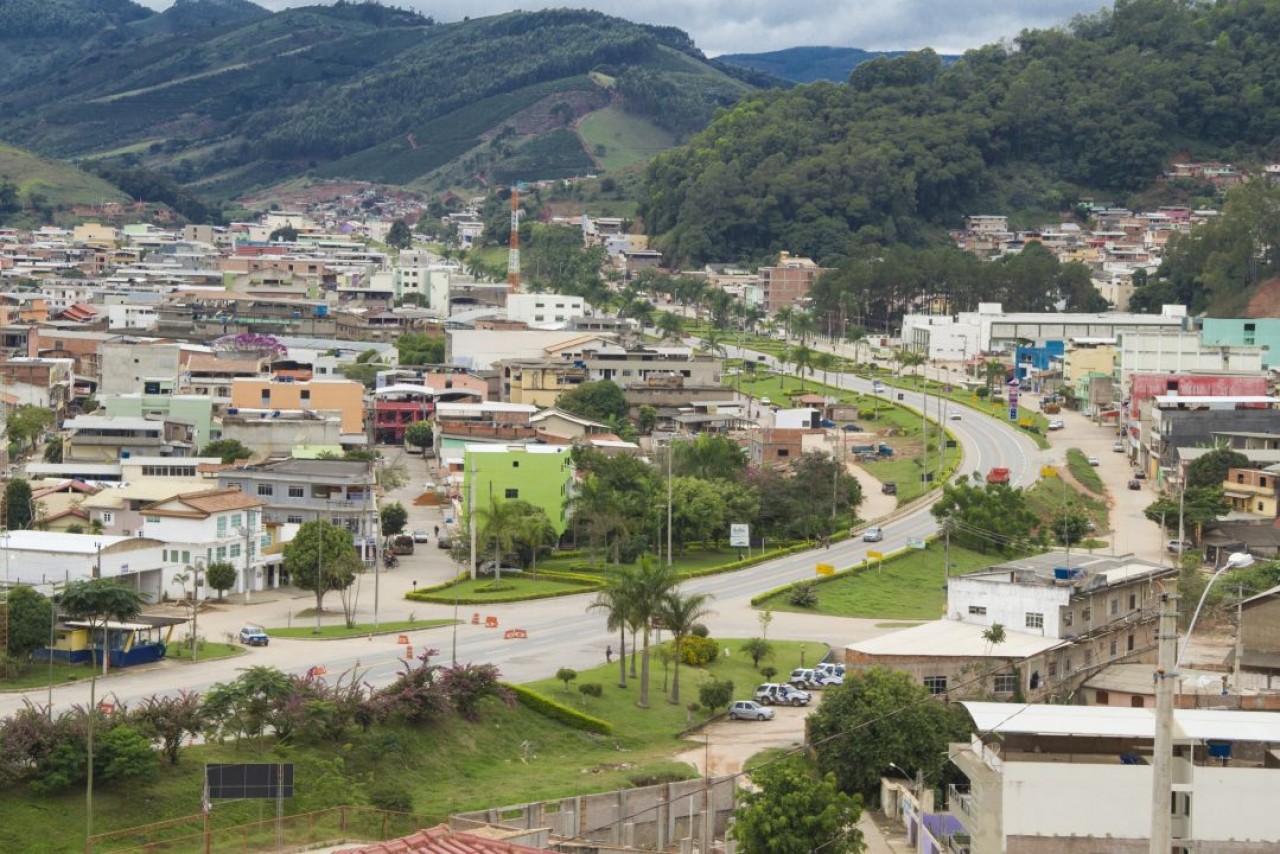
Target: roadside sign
x=915 y=542
x=875 y=555
x=1013 y=413
x=1048 y=471
x=739 y=535
x=826 y=569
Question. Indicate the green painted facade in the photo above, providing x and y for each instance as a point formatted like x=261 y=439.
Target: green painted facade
x=191 y=408
x=1264 y=331
x=538 y=474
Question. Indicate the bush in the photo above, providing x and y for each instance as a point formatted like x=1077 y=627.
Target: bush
x=867 y=414
x=700 y=630
x=982 y=393
x=389 y=796
x=698 y=652
x=549 y=708
x=803 y=596
x=715 y=694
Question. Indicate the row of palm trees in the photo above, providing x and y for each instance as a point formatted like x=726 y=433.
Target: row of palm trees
x=640 y=598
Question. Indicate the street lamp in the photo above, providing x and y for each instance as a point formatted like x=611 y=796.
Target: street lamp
x=1238 y=560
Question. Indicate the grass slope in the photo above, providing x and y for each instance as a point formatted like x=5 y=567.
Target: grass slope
x=619 y=139
x=61 y=184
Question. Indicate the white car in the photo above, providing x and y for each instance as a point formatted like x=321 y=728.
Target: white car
x=1057 y=424
x=873 y=535
x=1093 y=461
x=749 y=710
x=955 y=416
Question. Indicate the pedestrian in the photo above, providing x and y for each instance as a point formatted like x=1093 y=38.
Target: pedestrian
x=437 y=532
x=608 y=654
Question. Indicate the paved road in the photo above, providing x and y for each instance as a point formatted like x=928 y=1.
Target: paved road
x=562 y=632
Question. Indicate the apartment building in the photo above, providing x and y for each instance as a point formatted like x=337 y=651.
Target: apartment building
x=788 y=283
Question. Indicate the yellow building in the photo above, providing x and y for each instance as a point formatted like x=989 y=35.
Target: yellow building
x=345 y=397
x=539 y=382
x=1251 y=491
x=96 y=234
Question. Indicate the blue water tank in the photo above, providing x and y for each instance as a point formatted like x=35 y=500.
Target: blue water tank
x=231 y=410
x=322 y=311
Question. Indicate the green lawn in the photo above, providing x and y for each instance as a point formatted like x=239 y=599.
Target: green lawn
x=618 y=139
x=207 y=650
x=341 y=631
x=912 y=587
x=692 y=561
x=36 y=675
x=1046 y=497
x=510 y=588
x=1085 y=474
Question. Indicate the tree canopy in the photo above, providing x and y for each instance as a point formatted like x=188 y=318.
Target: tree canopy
x=18 y=506
x=227 y=450
x=318 y=558
x=791 y=810
x=985 y=516
x=600 y=401
x=1210 y=470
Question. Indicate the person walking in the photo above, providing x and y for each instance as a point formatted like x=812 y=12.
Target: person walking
x=608 y=654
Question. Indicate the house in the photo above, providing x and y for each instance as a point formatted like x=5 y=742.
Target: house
x=1253 y=491
x=280 y=394
x=298 y=491
x=195 y=410
x=788 y=283
x=1260 y=634
x=459 y=424
x=108 y=438
x=213 y=526
x=957 y=659
x=44 y=558
x=1106 y=606
x=781 y=445
x=565 y=425
x=1066 y=778
x=539 y=474
x=539 y=382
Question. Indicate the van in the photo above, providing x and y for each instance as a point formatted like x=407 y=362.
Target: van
x=401 y=544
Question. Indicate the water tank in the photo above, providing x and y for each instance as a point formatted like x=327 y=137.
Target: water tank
x=124 y=455
x=322 y=311
x=231 y=410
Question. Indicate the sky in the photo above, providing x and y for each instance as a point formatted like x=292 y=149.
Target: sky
x=756 y=26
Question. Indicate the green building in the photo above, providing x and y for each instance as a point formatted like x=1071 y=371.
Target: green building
x=193 y=409
x=1245 y=330
x=538 y=474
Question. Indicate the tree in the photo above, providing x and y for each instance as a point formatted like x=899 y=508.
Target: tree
x=399 y=236
x=994 y=635
x=285 y=233
x=420 y=434
x=1210 y=470
x=566 y=675
x=715 y=693
x=646 y=418
x=221 y=577
x=1197 y=507
x=1069 y=525
x=877 y=717
x=418 y=348
x=759 y=649
x=615 y=599
x=17 y=507
x=599 y=401
x=227 y=450
x=499 y=526
x=394 y=518
x=30 y=617
x=984 y=516
x=680 y=612
x=590 y=689
x=802 y=357
x=534 y=533
x=244 y=706
x=125 y=753
x=791 y=810
x=670 y=326
x=708 y=457
x=314 y=559
x=171 y=720
x=27 y=424
x=651 y=584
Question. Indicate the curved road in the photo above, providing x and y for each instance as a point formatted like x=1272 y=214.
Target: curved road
x=562 y=632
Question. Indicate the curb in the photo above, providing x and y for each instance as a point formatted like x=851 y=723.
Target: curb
x=379 y=633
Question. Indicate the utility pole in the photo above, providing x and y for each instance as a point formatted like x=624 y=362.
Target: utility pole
x=1239 y=638
x=471 y=511
x=1162 y=756
x=670 y=453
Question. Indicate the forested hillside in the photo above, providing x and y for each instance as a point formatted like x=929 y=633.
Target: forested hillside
x=909 y=146
x=223 y=96
x=806 y=64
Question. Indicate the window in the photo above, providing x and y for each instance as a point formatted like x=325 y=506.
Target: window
x=1101 y=698
x=1137 y=702
x=935 y=684
x=1133 y=601
x=783 y=452
x=1035 y=620
x=235 y=550
x=1086 y=614
x=297 y=492
x=1129 y=644
x=1053 y=668
x=1115 y=606
x=222 y=526
x=108 y=518
x=153 y=520
x=1005 y=683
x=221 y=552
x=978 y=610
x=293 y=520
x=235 y=520
x=1115 y=647
x=306 y=395
x=513 y=493
x=1067 y=618
x=266 y=489
x=1088 y=657
x=515 y=464
x=186 y=557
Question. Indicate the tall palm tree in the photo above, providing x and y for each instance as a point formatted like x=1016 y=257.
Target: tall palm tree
x=784 y=316
x=615 y=600
x=803 y=323
x=500 y=529
x=653 y=581
x=825 y=362
x=802 y=357
x=670 y=325
x=680 y=612
x=534 y=532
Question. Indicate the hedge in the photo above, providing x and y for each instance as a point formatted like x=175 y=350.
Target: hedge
x=549 y=708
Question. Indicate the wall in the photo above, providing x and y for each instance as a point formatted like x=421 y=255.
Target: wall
x=1266 y=332
x=1007 y=603
x=345 y=396
x=539 y=476
x=126 y=364
x=544 y=308
x=1070 y=799
x=1080 y=362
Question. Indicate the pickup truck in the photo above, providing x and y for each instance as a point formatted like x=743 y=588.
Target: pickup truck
x=998 y=475
x=881 y=450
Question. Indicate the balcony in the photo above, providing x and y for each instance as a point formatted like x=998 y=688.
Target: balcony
x=963 y=805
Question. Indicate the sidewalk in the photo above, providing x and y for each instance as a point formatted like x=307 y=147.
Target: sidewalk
x=877 y=840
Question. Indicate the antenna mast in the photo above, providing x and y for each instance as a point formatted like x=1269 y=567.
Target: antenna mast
x=513 y=256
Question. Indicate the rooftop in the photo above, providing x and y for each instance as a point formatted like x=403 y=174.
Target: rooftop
x=1080 y=569
x=1122 y=722
x=56 y=541
x=953 y=639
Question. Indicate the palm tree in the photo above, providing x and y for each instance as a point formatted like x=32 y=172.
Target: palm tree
x=802 y=357
x=713 y=343
x=803 y=324
x=534 y=532
x=784 y=316
x=670 y=325
x=825 y=362
x=615 y=600
x=653 y=581
x=680 y=612
x=500 y=524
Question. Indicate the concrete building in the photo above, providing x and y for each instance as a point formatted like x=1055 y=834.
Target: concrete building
x=193 y=409
x=539 y=382
x=299 y=491
x=545 y=309
x=344 y=398
x=128 y=364
x=1170 y=352
x=1245 y=332
x=1252 y=491
x=213 y=526
x=788 y=283
x=1178 y=422
x=1046 y=779
x=44 y=558
x=1260 y=635
x=539 y=474
x=106 y=439
x=1106 y=607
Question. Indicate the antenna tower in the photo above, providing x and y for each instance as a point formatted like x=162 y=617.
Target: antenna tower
x=513 y=255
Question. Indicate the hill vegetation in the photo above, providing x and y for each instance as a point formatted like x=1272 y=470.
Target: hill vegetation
x=808 y=64
x=223 y=97
x=909 y=146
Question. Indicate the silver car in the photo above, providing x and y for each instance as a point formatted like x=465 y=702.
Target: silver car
x=749 y=710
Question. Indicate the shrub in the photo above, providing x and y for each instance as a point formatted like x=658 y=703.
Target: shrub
x=715 y=694
x=803 y=596
x=590 y=689
x=389 y=796
x=549 y=708
x=982 y=393
x=700 y=630
x=867 y=414
x=698 y=652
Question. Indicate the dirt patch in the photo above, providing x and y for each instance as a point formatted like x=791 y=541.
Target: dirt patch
x=539 y=118
x=727 y=745
x=1265 y=301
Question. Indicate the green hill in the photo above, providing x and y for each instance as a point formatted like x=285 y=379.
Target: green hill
x=809 y=64
x=226 y=98
x=58 y=184
x=910 y=145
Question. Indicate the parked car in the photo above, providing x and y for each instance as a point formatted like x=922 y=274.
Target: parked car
x=829 y=668
x=1093 y=461
x=873 y=535
x=877 y=386
x=955 y=416
x=488 y=567
x=400 y=544
x=1175 y=547
x=443 y=542
x=1118 y=447
x=1139 y=474
x=1057 y=424
x=801 y=677
x=773 y=694
x=889 y=488
x=254 y=636
x=1135 y=484
x=749 y=710
x=828 y=680
x=852 y=428
x=421 y=537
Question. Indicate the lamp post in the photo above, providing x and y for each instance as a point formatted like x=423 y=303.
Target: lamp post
x=246 y=532
x=1170 y=657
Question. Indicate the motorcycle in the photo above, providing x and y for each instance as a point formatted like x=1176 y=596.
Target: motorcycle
x=390 y=561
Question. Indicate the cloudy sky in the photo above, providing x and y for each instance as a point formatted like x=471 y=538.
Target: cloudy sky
x=753 y=26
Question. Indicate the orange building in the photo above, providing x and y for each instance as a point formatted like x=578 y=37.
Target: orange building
x=323 y=395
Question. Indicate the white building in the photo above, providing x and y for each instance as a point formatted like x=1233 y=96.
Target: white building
x=1173 y=352
x=44 y=558
x=544 y=309
x=1050 y=778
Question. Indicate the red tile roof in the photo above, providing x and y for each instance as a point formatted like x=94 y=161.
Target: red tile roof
x=442 y=839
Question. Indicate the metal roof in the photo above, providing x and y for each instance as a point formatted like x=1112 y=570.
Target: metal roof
x=1103 y=721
